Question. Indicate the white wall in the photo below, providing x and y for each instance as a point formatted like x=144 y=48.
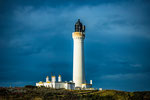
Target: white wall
x=78 y=61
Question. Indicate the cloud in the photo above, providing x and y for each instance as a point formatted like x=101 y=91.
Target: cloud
x=16 y=83
x=126 y=76
x=103 y=18
x=136 y=65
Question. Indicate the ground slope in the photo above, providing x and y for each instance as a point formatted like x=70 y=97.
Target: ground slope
x=33 y=93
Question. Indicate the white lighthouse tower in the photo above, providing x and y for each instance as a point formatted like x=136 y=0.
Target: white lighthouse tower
x=78 y=54
x=79 y=81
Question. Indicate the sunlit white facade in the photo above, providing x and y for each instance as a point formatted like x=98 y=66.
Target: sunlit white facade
x=56 y=84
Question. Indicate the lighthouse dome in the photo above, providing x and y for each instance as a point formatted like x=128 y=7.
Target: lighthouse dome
x=78 y=26
x=78 y=23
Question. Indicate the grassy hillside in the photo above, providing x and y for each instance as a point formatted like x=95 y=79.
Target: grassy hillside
x=33 y=93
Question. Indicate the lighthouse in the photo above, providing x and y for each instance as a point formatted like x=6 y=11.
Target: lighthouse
x=79 y=81
x=78 y=54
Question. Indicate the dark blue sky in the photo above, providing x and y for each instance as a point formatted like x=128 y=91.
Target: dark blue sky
x=36 y=40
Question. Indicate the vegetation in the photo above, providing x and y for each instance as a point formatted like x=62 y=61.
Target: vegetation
x=34 y=93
